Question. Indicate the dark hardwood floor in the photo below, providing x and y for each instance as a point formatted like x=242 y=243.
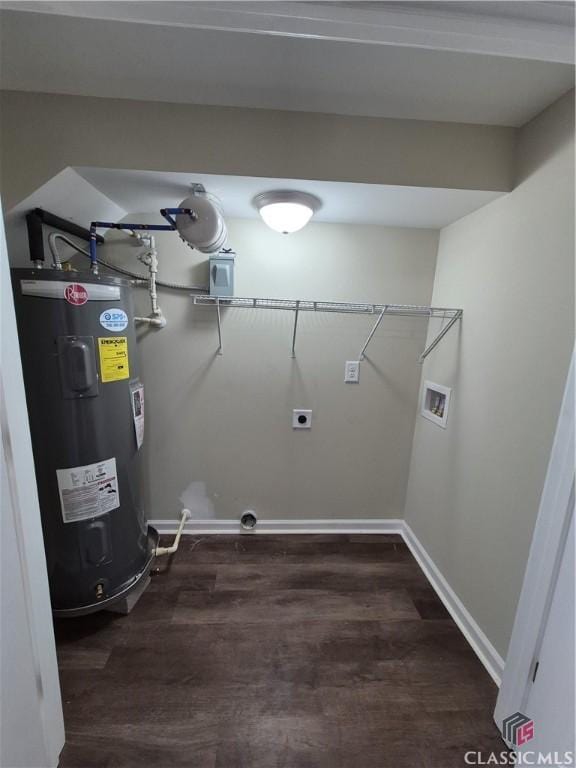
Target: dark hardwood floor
x=276 y=652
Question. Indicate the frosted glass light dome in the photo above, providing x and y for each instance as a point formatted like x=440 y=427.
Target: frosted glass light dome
x=286 y=211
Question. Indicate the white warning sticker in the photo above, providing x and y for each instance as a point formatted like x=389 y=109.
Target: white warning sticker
x=137 y=393
x=88 y=491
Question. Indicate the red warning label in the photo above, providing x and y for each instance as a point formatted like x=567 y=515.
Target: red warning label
x=76 y=294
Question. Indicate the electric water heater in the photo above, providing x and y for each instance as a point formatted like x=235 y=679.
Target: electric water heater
x=86 y=410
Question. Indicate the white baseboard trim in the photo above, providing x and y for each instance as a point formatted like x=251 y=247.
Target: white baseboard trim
x=194 y=527
x=480 y=644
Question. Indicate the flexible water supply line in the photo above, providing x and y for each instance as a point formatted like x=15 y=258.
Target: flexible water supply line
x=150 y=259
x=56 y=263
x=174 y=548
x=121 y=270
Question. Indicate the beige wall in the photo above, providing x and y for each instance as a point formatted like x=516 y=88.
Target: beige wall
x=474 y=489
x=121 y=133
x=225 y=422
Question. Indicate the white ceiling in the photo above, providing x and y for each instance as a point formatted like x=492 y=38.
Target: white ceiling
x=479 y=62
x=148 y=191
x=546 y=11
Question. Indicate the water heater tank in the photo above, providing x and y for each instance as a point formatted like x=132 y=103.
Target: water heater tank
x=86 y=409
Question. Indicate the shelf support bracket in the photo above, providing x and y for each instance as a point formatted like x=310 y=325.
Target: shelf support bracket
x=372 y=332
x=296 y=312
x=220 y=349
x=438 y=338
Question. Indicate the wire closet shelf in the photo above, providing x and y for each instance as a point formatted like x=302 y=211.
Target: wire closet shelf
x=301 y=305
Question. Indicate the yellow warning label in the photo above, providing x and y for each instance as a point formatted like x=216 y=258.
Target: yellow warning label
x=113 y=358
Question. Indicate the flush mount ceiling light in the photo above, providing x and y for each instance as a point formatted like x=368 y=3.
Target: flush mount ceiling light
x=287 y=210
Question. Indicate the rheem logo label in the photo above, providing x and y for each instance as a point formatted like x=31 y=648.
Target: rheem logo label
x=76 y=294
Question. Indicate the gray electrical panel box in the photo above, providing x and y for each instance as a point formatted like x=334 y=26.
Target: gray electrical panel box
x=222 y=274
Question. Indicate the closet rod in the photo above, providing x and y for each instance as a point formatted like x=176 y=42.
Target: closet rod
x=341 y=307
x=324 y=306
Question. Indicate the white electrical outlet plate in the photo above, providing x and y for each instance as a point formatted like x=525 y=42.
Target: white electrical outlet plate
x=352 y=371
x=301 y=419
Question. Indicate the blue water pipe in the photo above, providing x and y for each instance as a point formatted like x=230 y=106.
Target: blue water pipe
x=167 y=213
